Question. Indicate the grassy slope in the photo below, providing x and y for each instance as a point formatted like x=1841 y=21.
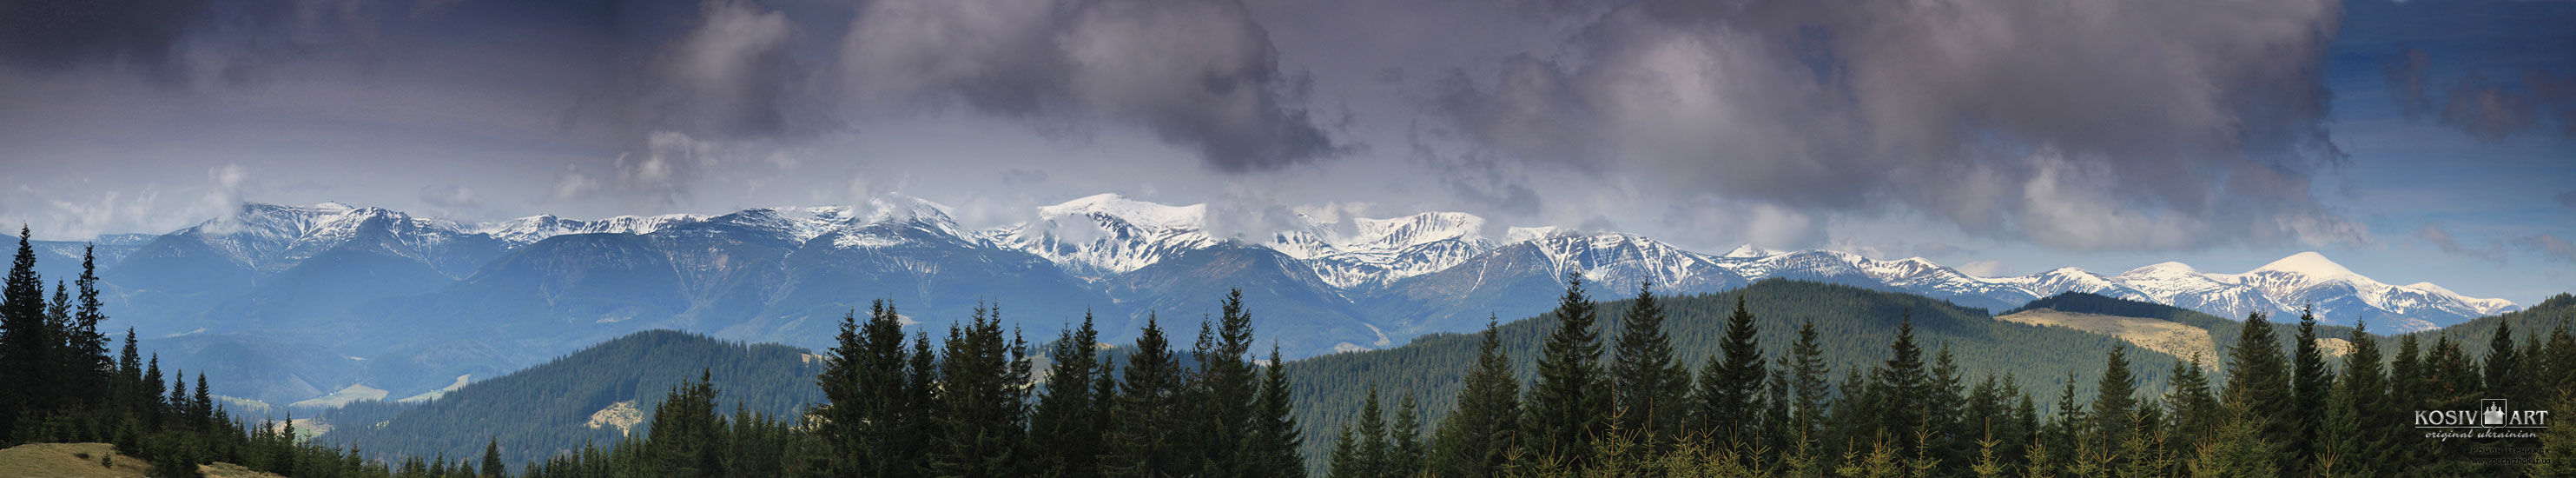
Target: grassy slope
x=81 y=460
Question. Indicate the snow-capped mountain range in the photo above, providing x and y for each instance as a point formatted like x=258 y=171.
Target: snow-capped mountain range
x=1103 y=236
x=425 y=299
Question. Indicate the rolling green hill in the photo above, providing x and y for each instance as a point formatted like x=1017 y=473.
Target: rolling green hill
x=548 y=408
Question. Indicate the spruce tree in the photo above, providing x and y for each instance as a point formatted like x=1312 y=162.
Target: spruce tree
x=90 y=363
x=2309 y=384
x=1477 y=437
x=1405 y=449
x=2365 y=391
x=2258 y=380
x=25 y=342
x=1730 y=386
x=491 y=458
x=1271 y=451
x=686 y=431
x=154 y=408
x=2196 y=411
x=2405 y=373
x=2066 y=435
x=2338 y=449
x=2114 y=400
x=1567 y=406
x=1225 y=390
x=1061 y=426
x=1143 y=441
x=202 y=408
x=1899 y=388
x=2503 y=364
x=1651 y=388
x=129 y=377
x=981 y=412
x=1950 y=441
x=1375 y=455
x=868 y=420
x=1807 y=372
x=1346 y=461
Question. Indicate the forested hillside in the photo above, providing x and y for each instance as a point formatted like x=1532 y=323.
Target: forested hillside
x=1619 y=404
x=1854 y=325
x=2528 y=325
x=548 y=409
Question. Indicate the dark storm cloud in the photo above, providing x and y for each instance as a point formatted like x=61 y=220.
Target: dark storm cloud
x=1198 y=73
x=2108 y=125
x=58 y=34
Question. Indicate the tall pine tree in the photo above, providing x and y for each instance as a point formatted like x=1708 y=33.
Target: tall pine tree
x=1271 y=451
x=1062 y=426
x=1567 y=406
x=1807 y=372
x=1477 y=437
x=2366 y=393
x=26 y=342
x=1225 y=391
x=1650 y=387
x=1730 y=386
x=982 y=402
x=2258 y=380
x=1144 y=442
x=2114 y=400
x=2309 y=387
x=1898 y=389
x=2504 y=365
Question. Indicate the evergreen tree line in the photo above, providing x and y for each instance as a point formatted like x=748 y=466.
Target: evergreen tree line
x=1632 y=410
x=976 y=405
x=1853 y=325
x=63 y=387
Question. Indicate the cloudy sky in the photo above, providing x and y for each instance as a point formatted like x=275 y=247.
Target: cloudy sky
x=2427 y=140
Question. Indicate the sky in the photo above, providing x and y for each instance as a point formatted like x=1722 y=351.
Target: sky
x=2414 y=141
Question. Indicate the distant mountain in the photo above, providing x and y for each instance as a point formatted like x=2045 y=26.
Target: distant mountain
x=418 y=301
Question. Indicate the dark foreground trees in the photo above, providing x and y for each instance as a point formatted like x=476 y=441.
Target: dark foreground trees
x=2309 y=410
x=976 y=406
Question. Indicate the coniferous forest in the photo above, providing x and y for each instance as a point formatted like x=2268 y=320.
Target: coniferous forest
x=1609 y=392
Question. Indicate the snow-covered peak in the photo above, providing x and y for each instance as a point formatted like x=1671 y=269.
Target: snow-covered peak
x=1416 y=229
x=902 y=208
x=272 y=237
x=2308 y=263
x=2163 y=269
x=1133 y=212
x=1525 y=234
x=1748 y=251
x=1107 y=234
x=1380 y=251
x=2429 y=287
x=529 y=230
